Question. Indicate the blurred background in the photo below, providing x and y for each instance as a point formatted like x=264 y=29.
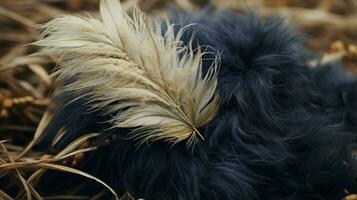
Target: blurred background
x=26 y=86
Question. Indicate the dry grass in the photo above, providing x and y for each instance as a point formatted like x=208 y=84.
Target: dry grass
x=26 y=88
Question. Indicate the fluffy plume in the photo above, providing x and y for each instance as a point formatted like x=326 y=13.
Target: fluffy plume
x=148 y=80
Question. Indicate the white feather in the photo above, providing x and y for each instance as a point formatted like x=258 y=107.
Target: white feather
x=149 y=81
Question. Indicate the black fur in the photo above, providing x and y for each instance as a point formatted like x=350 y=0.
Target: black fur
x=283 y=132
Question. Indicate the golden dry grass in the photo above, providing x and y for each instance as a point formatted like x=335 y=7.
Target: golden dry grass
x=26 y=88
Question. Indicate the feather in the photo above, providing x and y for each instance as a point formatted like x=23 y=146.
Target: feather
x=146 y=79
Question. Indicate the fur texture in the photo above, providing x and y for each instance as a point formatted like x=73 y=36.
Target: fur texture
x=283 y=131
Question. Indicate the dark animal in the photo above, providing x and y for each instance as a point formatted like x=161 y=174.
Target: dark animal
x=284 y=131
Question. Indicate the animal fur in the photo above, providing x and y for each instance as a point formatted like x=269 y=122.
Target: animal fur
x=283 y=131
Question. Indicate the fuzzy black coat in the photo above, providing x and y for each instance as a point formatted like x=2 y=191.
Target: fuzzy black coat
x=284 y=131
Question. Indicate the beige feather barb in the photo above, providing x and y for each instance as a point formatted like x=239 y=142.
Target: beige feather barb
x=149 y=81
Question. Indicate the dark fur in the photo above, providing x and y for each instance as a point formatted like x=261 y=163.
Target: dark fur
x=283 y=131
